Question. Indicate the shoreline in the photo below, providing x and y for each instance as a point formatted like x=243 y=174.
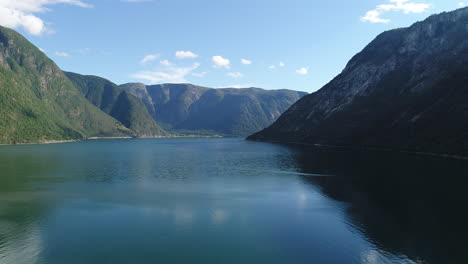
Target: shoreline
x=46 y=142
x=420 y=153
x=430 y=154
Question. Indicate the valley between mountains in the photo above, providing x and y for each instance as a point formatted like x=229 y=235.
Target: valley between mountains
x=41 y=103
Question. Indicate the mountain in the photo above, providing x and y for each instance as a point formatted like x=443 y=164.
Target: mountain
x=407 y=90
x=118 y=103
x=226 y=111
x=39 y=103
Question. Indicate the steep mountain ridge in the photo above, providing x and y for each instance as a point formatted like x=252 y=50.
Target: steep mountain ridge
x=406 y=90
x=226 y=111
x=39 y=103
x=118 y=103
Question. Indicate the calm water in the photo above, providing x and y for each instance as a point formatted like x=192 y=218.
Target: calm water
x=227 y=201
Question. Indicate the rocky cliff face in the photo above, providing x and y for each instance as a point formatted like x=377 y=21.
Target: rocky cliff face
x=406 y=90
x=167 y=103
x=222 y=111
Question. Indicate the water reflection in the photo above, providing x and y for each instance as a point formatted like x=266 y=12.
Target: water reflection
x=229 y=201
x=21 y=239
x=23 y=248
x=408 y=205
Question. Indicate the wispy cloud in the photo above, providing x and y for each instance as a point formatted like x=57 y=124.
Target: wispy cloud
x=149 y=58
x=83 y=51
x=461 y=4
x=23 y=13
x=220 y=62
x=246 y=61
x=239 y=86
x=62 y=54
x=302 y=71
x=235 y=74
x=273 y=66
x=170 y=75
x=185 y=55
x=165 y=63
x=199 y=74
x=405 y=6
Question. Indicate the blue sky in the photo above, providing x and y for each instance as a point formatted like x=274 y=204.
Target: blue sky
x=293 y=44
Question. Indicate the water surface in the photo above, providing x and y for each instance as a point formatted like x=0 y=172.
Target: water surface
x=227 y=201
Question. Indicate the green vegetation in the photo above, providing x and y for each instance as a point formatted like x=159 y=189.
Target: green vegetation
x=186 y=108
x=118 y=103
x=39 y=103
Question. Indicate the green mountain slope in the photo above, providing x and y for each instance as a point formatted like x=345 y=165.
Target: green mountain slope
x=237 y=112
x=39 y=103
x=407 y=90
x=118 y=103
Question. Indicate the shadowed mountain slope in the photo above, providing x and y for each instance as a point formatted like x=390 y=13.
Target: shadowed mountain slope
x=407 y=90
x=225 y=111
x=118 y=103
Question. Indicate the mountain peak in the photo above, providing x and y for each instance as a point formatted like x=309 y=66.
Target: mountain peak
x=405 y=90
x=227 y=111
x=39 y=103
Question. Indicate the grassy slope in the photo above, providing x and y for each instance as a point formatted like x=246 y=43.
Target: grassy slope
x=39 y=103
x=120 y=104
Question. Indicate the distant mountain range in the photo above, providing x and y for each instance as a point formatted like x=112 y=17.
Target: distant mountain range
x=186 y=107
x=40 y=103
x=407 y=90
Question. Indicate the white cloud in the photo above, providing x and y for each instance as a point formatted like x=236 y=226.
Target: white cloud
x=461 y=4
x=199 y=74
x=185 y=55
x=281 y=64
x=165 y=63
x=272 y=67
x=246 y=61
x=239 y=86
x=43 y=50
x=220 y=62
x=235 y=74
x=22 y=13
x=149 y=58
x=62 y=54
x=171 y=75
x=373 y=16
x=302 y=71
x=82 y=51
x=405 y=6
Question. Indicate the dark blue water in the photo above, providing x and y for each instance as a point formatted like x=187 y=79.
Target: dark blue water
x=226 y=201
